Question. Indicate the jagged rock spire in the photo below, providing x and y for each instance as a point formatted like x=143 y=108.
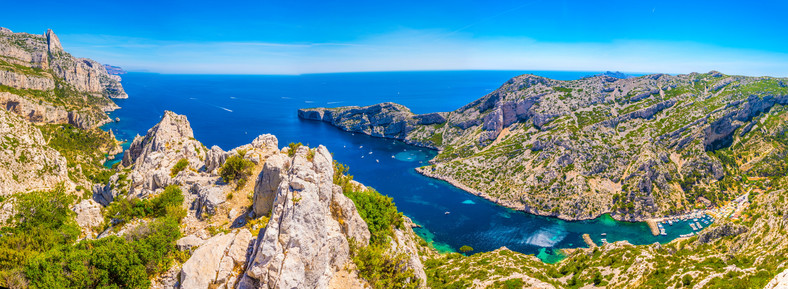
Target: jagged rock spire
x=53 y=43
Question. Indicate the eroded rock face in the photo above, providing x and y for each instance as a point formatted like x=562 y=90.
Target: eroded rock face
x=217 y=262
x=44 y=71
x=725 y=230
x=267 y=183
x=28 y=163
x=304 y=244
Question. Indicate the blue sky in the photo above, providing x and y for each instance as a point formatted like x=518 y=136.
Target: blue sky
x=292 y=37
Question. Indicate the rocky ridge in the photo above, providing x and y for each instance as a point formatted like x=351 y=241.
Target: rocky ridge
x=43 y=83
x=310 y=222
x=635 y=148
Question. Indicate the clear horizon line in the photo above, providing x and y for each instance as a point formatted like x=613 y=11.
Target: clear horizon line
x=403 y=70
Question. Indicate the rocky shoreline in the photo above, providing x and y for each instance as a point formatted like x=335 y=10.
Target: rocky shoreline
x=512 y=205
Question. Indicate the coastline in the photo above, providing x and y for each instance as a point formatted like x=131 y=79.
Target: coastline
x=510 y=204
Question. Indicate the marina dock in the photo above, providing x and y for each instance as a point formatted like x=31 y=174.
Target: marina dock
x=587 y=239
x=652 y=223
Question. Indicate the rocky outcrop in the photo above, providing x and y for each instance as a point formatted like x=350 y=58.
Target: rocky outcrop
x=305 y=243
x=217 y=263
x=88 y=214
x=267 y=184
x=26 y=162
x=154 y=155
x=724 y=230
x=53 y=42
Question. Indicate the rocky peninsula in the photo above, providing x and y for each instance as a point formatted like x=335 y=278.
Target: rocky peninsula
x=636 y=148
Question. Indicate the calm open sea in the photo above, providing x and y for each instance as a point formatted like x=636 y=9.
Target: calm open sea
x=231 y=110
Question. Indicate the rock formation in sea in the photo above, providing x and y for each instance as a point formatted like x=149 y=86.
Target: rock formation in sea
x=636 y=148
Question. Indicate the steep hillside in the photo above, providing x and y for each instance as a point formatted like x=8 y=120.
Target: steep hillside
x=747 y=253
x=45 y=84
x=640 y=147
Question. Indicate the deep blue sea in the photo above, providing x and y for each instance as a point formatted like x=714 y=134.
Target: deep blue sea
x=231 y=110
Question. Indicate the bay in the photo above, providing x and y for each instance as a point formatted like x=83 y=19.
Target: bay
x=231 y=110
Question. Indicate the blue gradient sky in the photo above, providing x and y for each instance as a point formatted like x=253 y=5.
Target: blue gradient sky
x=292 y=37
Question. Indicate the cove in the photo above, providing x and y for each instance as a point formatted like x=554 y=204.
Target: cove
x=231 y=110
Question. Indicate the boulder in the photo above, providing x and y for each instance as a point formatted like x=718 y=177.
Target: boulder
x=213 y=264
x=189 y=242
x=88 y=214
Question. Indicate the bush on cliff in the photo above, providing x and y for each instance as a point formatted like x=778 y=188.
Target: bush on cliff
x=375 y=263
x=236 y=169
x=178 y=167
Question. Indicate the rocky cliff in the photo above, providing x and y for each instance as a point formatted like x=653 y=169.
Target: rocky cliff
x=309 y=224
x=45 y=84
x=26 y=162
x=635 y=147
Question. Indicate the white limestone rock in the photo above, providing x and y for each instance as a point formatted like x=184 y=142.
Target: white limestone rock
x=304 y=245
x=214 y=263
x=779 y=282
x=88 y=214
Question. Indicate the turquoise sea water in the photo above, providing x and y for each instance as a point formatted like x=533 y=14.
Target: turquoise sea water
x=231 y=110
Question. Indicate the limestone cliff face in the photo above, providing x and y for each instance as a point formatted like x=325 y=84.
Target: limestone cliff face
x=26 y=162
x=306 y=241
x=36 y=75
x=635 y=147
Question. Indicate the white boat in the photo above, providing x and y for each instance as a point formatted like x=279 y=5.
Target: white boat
x=693 y=226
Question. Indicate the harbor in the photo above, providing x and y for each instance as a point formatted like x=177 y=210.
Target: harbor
x=699 y=219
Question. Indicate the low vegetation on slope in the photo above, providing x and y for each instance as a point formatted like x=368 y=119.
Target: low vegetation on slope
x=84 y=149
x=376 y=263
x=39 y=248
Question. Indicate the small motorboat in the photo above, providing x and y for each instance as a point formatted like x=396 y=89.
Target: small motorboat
x=446 y=213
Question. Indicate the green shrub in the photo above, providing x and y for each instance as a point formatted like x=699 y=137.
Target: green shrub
x=379 y=212
x=292 y=148
x=168 y=203
x=42 y=221
x=37 y=248
x=236 y=169
x=466 y=249
x=341 y=178
x=382 y=270
x=178 y=167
